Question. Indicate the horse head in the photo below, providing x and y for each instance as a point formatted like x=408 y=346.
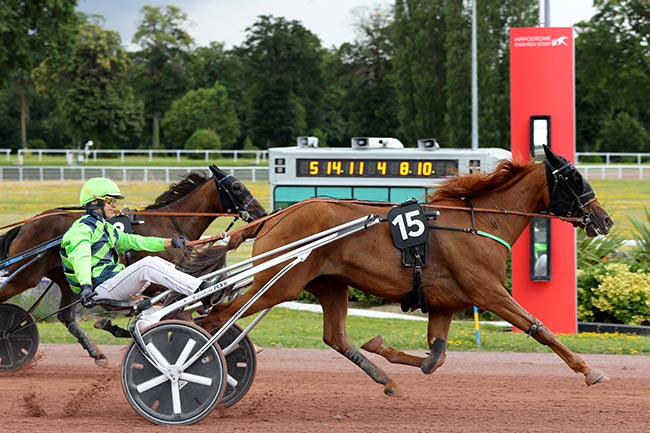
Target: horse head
x=572 y=196
x=235 y=197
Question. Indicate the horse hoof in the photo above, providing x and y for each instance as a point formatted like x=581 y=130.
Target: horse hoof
x=595 y=376
x=374 y=344
x=392 y=389
x=102 y=361
x=102 y=323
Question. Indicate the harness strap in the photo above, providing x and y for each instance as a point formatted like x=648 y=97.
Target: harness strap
x=175 y=222
x=495 y=238
x=481 y=232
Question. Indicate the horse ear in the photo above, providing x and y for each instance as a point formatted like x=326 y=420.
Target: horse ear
x=549 y=153
x=216 y=171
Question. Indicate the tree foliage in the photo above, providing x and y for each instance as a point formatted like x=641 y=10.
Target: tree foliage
x=92 y=93
x=202 y=139
x=163 y=63
x=283 y=66
x=202 y=109
x=369 y=104
x=31 y=31
x=613 y=76
x=419 y=64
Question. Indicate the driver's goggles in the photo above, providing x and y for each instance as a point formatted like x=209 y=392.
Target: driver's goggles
x=111 y=201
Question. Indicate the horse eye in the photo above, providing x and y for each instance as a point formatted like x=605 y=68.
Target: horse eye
x=237 y=187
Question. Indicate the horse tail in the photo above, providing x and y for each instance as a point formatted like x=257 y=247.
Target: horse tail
x=5 y=241
x=204 y=261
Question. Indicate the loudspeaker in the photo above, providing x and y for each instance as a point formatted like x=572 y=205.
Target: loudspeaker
x=307 y=141
x=428 y=144
x=376 y=143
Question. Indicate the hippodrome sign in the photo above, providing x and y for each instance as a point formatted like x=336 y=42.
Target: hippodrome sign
x=542 y=111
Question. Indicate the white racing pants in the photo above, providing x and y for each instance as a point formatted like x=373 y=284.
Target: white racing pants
x=136 y=277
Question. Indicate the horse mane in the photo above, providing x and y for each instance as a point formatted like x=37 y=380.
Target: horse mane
x=473 y=184
x=204 y=260
x=178 y=190
x=5 y=241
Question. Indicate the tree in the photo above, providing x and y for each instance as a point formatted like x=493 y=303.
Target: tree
x=31 y=31
x=458 y=88
x=202 y=109
x=92 y=92
x=493 y=27
x=283 y=66
x=419 y=64
x=214 y=63
x=163 y=63
x=613 y=73
x=432 y=67
x=624 y=133
x=369 y=104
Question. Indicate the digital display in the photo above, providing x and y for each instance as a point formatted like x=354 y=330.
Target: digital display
x=393 y=168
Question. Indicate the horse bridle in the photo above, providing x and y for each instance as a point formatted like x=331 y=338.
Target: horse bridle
x=571 y=200
x=226 y=195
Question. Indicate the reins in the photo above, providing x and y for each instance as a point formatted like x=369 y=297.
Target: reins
x=465 y=209
x=38 y=217
x=471 y=209
x=177 y=214
x=507 y=212
x=129 y=212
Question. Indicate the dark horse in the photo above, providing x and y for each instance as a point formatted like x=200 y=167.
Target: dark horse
x=194 y=194
x=466 y=258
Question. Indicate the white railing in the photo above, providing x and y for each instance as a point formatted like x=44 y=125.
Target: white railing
x=72 y=155
x=616 y=156
x=249 y=173
x=7 y=152
x=123 y=174
x=618 y=172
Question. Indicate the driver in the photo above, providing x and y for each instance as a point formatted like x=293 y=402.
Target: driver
x=90 y=252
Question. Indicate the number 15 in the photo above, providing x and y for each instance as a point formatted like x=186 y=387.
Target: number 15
x=416 y=225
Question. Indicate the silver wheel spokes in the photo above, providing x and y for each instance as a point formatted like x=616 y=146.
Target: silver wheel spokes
x=172 y=373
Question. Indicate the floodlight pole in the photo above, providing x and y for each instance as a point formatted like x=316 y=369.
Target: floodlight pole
x=474 y=81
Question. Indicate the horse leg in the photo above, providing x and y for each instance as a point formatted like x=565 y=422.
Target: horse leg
x=508 y=309
x=438 y=329
x=68 y=317
x=333 y=297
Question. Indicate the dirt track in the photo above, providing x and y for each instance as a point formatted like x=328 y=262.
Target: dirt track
x=320 y=391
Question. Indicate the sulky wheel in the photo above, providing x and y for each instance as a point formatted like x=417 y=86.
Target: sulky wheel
x=174 y=397
x=18 y=337
x=241 y=363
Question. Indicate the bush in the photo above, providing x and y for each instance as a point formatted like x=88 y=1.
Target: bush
x=592 y=251
x=354 y=296
x=36 y=143
x=641 y=252
x=202 y=139
x=613 y=293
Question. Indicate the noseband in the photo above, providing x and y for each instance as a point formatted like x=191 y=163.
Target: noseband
x=568 y=198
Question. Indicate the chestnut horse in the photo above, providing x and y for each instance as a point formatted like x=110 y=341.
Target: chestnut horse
x=480 y=215
x=194 y=194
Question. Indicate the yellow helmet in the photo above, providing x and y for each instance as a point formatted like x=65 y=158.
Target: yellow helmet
x=98 y=188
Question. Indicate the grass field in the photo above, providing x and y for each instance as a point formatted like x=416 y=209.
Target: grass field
x=285 y=328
